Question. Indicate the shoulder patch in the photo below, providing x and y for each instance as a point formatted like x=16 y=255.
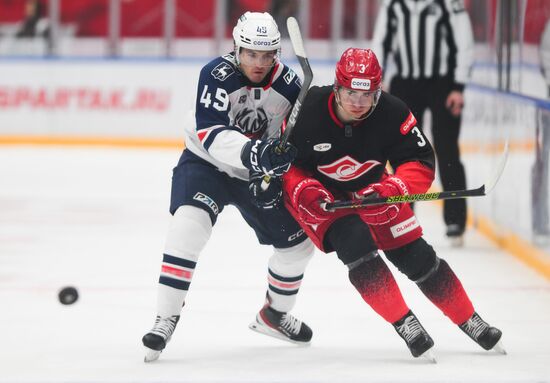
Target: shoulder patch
x=408 y=124
x=222 y=71
x=229 y=57
x=289 y=76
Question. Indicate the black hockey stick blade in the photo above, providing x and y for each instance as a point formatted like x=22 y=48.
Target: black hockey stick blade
x=480 y=191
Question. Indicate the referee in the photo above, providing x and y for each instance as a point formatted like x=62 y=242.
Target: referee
x=431 y=42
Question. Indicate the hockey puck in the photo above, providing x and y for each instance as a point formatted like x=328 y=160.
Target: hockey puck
x=68 y=295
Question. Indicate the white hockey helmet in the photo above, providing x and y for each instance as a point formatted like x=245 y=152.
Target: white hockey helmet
x=256 y=31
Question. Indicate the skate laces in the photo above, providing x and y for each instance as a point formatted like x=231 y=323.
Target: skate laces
x=410 y=329
x=475 y=326
x=290 y=324
x=164 y=327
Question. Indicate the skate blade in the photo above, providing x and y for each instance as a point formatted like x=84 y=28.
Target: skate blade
x=151 y=355
x=500 y=348
x=263 y=329
x=429 y=356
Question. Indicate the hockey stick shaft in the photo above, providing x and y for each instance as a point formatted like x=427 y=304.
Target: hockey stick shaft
x=354 y=204
x=480 y=191
x=298 y=46
x=300 y=52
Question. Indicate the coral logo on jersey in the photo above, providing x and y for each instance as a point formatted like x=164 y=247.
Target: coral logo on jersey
x=360 y=83
x=207 y=201
x=250 y=121
x=408 y=124
x=347 y=169
x=289 y=76
x=322 y=147
x=222 y=71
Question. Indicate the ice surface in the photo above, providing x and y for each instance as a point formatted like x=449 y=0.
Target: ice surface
x=96 y=219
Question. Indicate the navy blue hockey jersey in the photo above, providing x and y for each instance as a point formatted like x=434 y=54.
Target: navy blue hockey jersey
x=230 y=110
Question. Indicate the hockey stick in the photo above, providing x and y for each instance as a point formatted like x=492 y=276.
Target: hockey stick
x=298 y=46
x=480 y=191
x=300 y=52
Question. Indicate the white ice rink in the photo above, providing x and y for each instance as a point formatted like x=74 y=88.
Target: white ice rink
x=96 y=219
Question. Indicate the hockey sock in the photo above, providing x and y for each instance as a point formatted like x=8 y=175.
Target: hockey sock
x=175 y=278
x=189 y=231
x=445 y=291
x=377 y=286
x=286 y=270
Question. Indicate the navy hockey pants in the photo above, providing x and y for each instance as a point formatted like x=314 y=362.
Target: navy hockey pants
x=198 y=183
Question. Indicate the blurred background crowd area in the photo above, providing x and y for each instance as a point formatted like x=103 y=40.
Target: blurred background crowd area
x=170 y=20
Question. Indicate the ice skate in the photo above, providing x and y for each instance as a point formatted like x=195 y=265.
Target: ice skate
x=155 y=340
x=282 y=326
x=415 y=336
x=486 y=336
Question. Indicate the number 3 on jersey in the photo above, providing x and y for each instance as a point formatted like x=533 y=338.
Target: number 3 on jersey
x=421 y=141
x=222 y=99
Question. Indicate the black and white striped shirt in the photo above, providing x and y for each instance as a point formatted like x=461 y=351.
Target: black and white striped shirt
x=427 y=38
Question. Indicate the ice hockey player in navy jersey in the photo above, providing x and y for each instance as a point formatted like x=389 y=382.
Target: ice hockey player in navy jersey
x=345 y=134
x=242 y=101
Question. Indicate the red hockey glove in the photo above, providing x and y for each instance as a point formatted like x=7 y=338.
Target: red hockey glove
x=307 y=197
x=382 y=214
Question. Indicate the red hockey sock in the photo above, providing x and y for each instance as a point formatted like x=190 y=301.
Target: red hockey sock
x=375 y=283
x=445 y=291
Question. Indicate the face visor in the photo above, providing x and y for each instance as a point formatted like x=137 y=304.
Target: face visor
x=358 y=98
x=253 y=58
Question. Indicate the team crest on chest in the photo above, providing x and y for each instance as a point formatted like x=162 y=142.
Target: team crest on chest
x=251 y=121
x=347 y=169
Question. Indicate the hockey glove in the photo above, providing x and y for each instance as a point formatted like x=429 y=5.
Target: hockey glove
x=268 y=198
x=267 y=158
x=382 y=214
x=307 y=198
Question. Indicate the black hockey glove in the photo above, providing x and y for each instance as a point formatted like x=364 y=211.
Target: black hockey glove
x=265 y=199
x=265 y=157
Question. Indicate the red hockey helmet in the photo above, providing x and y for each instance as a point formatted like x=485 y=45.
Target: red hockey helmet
x=358 y=69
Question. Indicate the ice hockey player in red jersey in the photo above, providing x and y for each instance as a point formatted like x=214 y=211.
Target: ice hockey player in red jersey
x=345 y=135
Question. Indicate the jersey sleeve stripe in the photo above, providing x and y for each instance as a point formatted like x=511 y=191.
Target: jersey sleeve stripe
x=204 y=133
x=211 y=135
